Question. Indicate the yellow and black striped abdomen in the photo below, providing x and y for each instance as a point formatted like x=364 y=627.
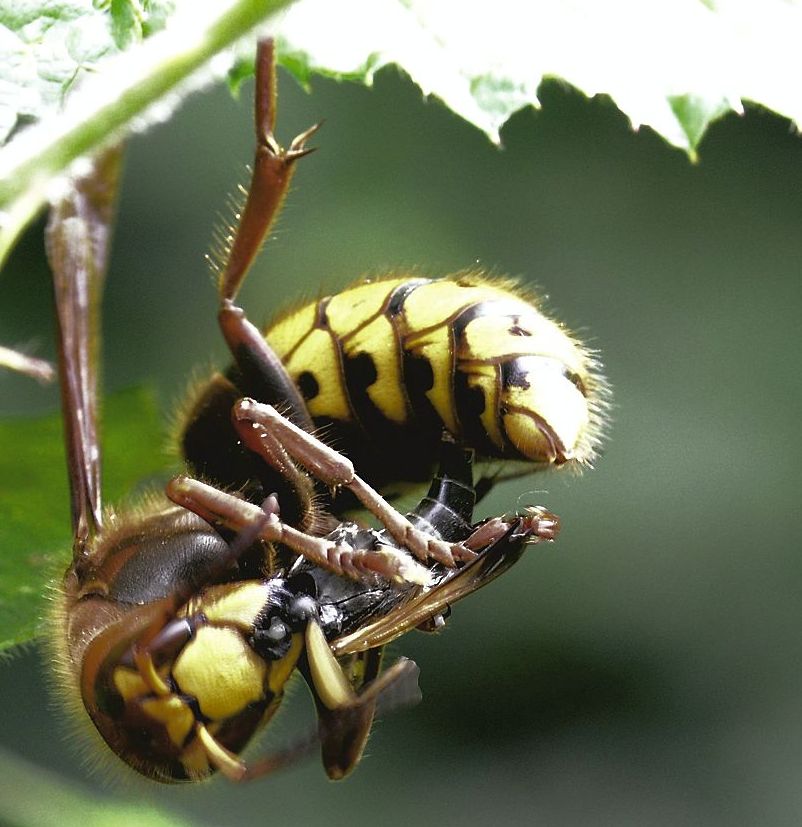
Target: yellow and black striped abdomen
x=386 y=365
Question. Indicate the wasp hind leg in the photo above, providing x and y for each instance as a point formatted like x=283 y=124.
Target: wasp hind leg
x=226 y=512
x=336 y=471
x=262 y=372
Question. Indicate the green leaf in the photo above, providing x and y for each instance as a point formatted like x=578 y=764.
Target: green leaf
x=32 y=797
x=486 y=61
x=35 y=528
x=671 y=65
x=120 y=92
x=126 y=23
x=157 y=13
x=694 y=115
x=484 y=64
x=45 y=49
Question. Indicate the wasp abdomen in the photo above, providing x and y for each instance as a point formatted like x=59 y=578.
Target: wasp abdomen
x=397 y=360
x=385 y=366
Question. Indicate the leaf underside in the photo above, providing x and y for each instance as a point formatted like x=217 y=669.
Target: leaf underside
x=672 y=65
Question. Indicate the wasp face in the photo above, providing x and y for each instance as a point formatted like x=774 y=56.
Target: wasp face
x=185 y=703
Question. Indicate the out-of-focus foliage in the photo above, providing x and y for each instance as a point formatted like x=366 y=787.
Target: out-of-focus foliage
x=30 y=797
x=35 y=525
x=47 y=48
x=672 y=65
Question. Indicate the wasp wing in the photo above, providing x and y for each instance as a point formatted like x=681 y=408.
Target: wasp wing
x=424 y=605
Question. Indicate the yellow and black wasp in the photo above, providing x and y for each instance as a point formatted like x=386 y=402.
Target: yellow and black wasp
x=178 y=624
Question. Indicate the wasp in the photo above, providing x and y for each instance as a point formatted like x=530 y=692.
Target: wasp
x=181 y=619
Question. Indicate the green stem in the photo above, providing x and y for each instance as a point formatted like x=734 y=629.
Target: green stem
x=101 y=110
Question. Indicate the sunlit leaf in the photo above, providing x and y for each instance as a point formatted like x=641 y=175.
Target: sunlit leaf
x=45 y=49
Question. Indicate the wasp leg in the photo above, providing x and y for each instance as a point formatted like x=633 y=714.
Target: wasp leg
x=345 y=717
x=297 y=482
x=273 y=166
x=272 y=171
x=223 y=510
x=500 y=543
x=336 y=471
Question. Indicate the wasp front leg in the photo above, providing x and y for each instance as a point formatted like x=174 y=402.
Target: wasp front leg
x=226 y=512
x=345 y=716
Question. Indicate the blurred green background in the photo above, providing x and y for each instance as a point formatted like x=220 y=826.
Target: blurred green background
x=646 y=668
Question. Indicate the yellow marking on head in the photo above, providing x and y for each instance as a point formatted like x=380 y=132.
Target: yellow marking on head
x=128 y=682
x=221 y=671
x=176 y=716
x=236 y=604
